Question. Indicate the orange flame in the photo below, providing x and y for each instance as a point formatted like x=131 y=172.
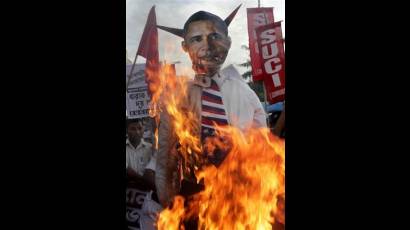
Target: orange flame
x=171 y=94
x=242 y=192
x=173 y=216
x=245 y=191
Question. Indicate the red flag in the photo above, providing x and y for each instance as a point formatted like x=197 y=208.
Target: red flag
x=257 y=17
x=272 y=56
x=148 y=48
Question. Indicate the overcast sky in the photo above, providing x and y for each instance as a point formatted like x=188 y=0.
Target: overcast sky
x=174 y=13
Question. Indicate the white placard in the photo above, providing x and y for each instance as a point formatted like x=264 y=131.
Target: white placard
x=137 y=95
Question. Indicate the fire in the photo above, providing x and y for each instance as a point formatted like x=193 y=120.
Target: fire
x=171 y=94
x=173 y=216
x=242 y=192
x=162 y=86
x=245 y=191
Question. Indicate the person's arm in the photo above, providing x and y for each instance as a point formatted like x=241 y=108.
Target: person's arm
x=280 y=213
x=131 y=173
x=149 y=172
x=280 y=124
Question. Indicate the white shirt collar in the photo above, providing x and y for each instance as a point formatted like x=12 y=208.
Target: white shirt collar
x=226 y=73
x=140 y=145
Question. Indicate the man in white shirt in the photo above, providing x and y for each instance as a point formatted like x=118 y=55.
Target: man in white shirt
x=141 y=201
x=140 y=160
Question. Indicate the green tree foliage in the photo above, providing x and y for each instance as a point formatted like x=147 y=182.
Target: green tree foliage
x=255 y=86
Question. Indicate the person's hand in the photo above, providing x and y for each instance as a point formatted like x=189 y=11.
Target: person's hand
x=280 y=124
x=131 y=173
x=149 y=177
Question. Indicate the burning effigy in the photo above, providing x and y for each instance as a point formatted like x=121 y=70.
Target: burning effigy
x=246 y=191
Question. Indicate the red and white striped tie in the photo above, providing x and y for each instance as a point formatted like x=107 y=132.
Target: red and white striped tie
x=213 y=112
